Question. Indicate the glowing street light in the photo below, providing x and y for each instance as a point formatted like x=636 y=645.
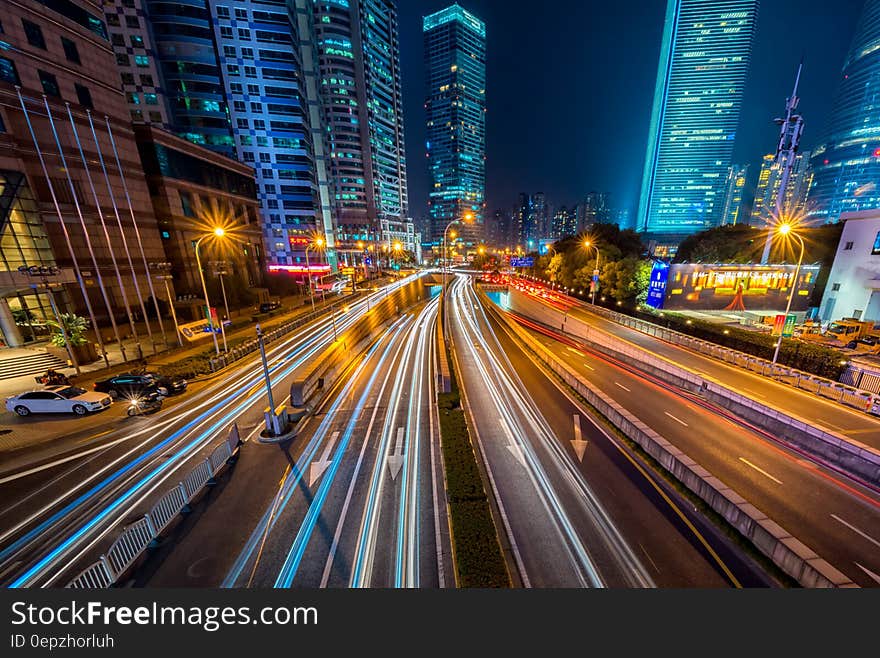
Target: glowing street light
x=785 y=230
x=588 y=245
x=218 y=232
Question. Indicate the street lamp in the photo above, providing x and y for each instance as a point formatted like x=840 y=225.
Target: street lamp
x=318 y=243
x=164 y=275
x=468 y=217
x=588 y=245
x=786 y=230
x=217 y=233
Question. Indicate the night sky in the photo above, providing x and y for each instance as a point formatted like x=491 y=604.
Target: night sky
x=570 y=85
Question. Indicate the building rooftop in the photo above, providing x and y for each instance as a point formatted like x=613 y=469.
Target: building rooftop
x=454 y=13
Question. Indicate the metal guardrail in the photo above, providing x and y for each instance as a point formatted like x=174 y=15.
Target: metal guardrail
x=138 y=536
x=250 y=346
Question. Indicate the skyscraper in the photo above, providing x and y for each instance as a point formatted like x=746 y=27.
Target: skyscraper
x=455 y=103
x=733 y=199
x=770 y=179
x=704 y=59
x=847 y=164
x=359 y=64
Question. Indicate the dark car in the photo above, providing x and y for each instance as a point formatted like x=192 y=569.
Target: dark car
x=128 y=385
x=267 y=307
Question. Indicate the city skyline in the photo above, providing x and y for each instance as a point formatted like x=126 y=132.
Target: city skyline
x=617 y=64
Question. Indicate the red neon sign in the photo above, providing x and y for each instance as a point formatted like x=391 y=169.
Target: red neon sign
x=321 y=268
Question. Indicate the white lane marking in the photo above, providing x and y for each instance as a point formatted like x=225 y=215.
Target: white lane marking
x=760 y=470
x=856 y=530
x=755 y=393
x=623 y=387
x=587 y=365
x=571 y=349
x=677 y=420
x=870 y=573
x=579 y=444
x=647 y=555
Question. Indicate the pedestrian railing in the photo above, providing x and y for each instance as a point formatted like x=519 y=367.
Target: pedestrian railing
x=240 y=351
x=138 y=536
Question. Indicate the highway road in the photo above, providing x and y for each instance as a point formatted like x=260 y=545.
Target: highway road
x=57 y=515
x=577 y=508
x=834 y=516
x=835 y=417
x=355 y=500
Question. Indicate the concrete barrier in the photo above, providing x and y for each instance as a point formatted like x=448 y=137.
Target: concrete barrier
x=315 y=378
x=780 y=546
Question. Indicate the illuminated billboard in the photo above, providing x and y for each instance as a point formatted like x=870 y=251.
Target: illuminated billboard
x=734 y=287
x=657 y=286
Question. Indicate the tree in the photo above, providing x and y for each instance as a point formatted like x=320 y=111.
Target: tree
x=626 y=280
x=75 y=327
x=554 y=266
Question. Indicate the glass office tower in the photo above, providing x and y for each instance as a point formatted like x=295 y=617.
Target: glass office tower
x=455 y=102
x=704 y=60
x=847 y=165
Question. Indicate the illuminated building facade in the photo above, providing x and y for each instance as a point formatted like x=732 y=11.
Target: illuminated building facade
x=770 y=178
x=360 y=88
x=704 y=60
x=455 y=103
x=736 y=183
x=847 y=164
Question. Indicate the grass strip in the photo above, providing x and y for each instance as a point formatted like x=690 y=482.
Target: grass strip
x=478 y=558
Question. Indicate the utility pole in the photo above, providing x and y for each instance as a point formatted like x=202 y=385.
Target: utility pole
x=790 y=131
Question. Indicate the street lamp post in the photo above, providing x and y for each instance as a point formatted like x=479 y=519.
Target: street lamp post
x=589 y=244
x=219 y=233
x=273 y=427
x=164 y=276
x=221 y=270
x=467 y=218
x=784 y=230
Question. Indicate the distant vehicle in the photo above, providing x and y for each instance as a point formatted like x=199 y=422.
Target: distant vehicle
x=841 y=332
x=52 y=378
x=266 y=307
x=131 y=385
x=146 y=403
x=58 y=399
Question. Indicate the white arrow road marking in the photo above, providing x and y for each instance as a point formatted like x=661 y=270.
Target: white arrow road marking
x=761 y=471
x=513 y=446
x=856 y=530
x=579 y=444
x=317 y=468
x=677 y=420
x=869 y=572
x=395 y=459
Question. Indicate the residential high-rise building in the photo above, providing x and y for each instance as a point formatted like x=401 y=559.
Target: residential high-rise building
x=733 y=199
x=704 y=60
x=134 y=46
x=594 y=209
x=847 y=164
x=240 y=79
x=770 y=179
x=564 y=223
x=455 y=104
x=360 y=87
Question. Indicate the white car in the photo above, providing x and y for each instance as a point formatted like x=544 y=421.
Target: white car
x=58 y=399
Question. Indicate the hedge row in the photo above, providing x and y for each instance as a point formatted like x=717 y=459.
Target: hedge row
x=809 y=357
x=477 y=552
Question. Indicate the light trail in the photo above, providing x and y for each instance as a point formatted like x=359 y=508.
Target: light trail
x=316 y=337
x=521 y=420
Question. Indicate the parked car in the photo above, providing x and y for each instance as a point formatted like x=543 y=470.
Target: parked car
x=58 y=399
x=129 y=385
x=267 y=307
